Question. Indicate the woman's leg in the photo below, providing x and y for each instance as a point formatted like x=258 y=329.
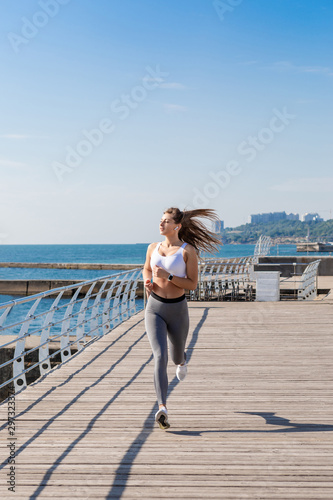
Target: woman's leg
x=178 y=325
x=157 y=335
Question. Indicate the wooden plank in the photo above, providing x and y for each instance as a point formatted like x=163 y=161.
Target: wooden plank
x=252 y=420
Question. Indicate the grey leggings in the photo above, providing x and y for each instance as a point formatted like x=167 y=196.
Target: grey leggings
x=166 y=319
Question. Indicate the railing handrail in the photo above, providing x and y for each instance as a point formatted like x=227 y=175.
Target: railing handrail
x=311 y=267
x=22 y=300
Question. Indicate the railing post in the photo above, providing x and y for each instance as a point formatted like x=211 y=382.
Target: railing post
x=132 y=308
x=43 y=352
x=106 y=309
x=20 y=381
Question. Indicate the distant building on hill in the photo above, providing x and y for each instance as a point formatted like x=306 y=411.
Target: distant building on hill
x=218 y=226
x=292 y=216
x=311 y=217
x=269 y=217
x=272 y=217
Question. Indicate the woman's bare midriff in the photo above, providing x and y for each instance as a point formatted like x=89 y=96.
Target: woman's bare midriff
x=167 y=289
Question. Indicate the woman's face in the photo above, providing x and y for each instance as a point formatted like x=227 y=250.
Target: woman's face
x=167 y=224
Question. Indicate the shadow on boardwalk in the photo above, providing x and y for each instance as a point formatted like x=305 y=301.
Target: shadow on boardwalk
x=92 y=422
x=252 y=430
x=271 y=419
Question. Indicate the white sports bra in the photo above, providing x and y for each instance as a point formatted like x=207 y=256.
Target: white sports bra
x=174 y=263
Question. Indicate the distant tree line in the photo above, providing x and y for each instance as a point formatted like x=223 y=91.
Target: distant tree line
x=292 y=230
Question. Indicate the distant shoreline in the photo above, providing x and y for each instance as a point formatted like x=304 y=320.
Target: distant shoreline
x=275 y=241
x=69 y=265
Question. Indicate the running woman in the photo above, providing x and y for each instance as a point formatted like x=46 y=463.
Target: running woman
x=171 y=267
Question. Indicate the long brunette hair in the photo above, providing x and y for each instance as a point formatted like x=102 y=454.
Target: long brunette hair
x=193 y=231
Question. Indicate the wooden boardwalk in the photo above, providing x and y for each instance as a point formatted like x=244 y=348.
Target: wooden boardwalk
x=253 y=419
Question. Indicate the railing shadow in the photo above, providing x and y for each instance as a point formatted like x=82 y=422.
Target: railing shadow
x=58 y=461
x=79 y=395
x=69 y=378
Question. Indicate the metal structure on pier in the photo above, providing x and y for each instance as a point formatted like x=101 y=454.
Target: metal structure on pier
x=225 y=279
x=307 y=287
x=263 y=246
x=222 y=279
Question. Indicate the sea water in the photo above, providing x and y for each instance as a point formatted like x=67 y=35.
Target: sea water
x=101 y=254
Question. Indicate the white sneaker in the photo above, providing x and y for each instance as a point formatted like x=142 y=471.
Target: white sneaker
x=161 y=417
x=181 y=371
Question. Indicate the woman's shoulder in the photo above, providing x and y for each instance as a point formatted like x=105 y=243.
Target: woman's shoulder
x=189 y=249
x=152 y=246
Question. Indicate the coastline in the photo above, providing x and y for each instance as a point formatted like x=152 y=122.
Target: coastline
x=68 y=265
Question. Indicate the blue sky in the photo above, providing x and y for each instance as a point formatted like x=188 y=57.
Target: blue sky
x=112 y=111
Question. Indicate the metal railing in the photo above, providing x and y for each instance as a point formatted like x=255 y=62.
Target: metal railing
x=222 y=279
x=77 y=314
x=297 y=286
x=308 y=286
x=263 y=246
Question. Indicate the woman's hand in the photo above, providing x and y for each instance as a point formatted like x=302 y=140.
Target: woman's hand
x=148 y=286
x=159 y=272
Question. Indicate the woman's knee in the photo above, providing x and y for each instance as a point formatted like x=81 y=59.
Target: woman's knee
x=161 y=359
x=178 y=357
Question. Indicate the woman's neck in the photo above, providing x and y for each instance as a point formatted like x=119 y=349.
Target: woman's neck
x=171 y=241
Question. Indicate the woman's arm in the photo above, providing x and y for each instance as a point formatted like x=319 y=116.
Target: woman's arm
x=147 y=271
x=191 y=280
